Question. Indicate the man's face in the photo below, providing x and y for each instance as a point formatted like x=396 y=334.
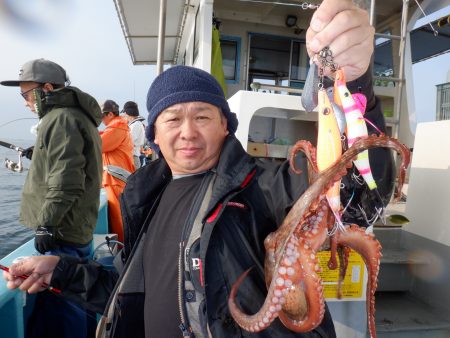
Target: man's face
x=190 y=136
x=128 y=118
x=107 y=117
x=26 y=90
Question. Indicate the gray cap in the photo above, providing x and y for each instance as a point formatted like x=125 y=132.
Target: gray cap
x=41 y=71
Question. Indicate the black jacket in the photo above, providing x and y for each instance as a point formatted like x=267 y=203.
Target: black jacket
x=232 y=241
x=250 y=199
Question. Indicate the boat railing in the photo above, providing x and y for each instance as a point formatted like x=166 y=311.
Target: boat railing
x=15 y=305
x=257 y=86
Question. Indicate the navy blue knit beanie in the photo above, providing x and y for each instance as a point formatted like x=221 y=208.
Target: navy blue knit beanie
x=185 y=84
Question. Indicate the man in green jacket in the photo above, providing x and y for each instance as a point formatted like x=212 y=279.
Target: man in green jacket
x=60 y=198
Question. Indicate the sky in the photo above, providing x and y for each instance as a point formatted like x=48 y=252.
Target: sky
x=84 y=37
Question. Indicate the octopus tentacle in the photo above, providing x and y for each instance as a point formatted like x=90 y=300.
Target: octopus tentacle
x=342 y=253
x=285 y=288
x=304 y=312
x=294 y=288
x=305 y=305
x=370 y=250
x=310 y=152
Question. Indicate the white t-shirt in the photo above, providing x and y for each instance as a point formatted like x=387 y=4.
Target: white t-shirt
x=137 y=130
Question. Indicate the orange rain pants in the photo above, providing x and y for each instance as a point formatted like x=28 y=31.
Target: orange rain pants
x=115 y=216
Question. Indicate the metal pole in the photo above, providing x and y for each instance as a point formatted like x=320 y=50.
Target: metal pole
x=372 y=13
x=161 y=36
x=372 y=23
x=402 y=60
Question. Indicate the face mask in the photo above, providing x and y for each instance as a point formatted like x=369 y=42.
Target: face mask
x=38 y=99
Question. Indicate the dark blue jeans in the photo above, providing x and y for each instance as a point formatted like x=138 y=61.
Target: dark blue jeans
x=53 y=316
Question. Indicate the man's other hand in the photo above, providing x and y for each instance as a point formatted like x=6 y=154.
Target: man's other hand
x=28 y=152
x=44 y=239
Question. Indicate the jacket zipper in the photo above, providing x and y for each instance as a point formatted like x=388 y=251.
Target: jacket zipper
x=183 y=326
x=187 y=228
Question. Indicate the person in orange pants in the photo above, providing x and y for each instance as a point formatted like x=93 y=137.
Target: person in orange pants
x=117 y=150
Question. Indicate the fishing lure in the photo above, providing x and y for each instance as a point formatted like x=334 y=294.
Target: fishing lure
x=338 y=112
x=361 y=101
x=309 y=94
x=356 y=126
x=329 y=147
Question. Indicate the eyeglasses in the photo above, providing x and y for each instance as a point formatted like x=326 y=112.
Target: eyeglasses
x=25 y=94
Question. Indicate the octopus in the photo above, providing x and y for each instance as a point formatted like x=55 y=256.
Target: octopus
x=291 y=267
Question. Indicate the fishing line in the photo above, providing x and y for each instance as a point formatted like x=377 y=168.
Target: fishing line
x=358 y=178
x=349 y=201
x=303 y=5
x=373 y=125
x=435 y=32
x=22 y=118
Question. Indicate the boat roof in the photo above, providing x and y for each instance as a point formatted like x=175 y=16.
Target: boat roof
x=140 y=25
x=140 y=20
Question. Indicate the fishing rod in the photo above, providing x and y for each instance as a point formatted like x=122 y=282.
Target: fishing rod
x=53 y=290
x=11 y=165
x=44 y=285
x=11 y=146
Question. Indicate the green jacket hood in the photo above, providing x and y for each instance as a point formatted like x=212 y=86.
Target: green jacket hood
x=72 y=96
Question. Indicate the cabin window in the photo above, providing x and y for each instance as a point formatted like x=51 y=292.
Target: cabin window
x=268 y=59
x=231 y=49
x=299 y=65
x=443 y=102
x=276 y=63
x=383 y=65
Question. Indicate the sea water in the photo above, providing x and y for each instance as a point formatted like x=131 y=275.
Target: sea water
x=12 y=233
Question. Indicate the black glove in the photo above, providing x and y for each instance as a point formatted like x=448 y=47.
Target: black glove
x=28 y=153
x=44 y=239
